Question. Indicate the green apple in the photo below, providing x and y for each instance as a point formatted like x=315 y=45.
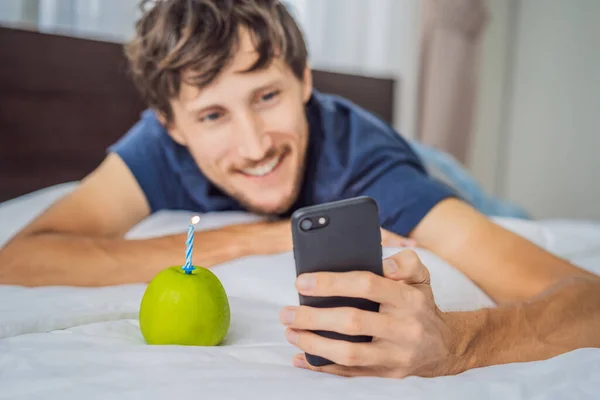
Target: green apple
x=185 y=309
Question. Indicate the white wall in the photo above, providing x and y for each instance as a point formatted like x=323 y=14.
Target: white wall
x=537 y=136
x=553 y=147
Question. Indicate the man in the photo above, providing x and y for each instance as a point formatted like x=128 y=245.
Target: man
x=234 y=124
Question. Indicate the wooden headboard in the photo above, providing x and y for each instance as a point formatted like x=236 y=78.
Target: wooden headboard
x=64 y=100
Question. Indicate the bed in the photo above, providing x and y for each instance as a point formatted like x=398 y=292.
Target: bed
x=74 y=343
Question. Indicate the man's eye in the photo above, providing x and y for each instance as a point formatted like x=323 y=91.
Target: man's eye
x=210 y=117
x=269 y=96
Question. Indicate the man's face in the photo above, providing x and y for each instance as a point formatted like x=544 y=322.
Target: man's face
x=247 y=131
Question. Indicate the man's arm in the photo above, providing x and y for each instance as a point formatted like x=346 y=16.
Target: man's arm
x=504 y=265
x=80 y=239
x=565 y=318
x=547 y=305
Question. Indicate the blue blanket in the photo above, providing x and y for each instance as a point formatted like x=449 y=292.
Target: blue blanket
x=447 y=169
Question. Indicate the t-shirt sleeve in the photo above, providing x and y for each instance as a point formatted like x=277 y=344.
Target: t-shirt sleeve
x=144 y=151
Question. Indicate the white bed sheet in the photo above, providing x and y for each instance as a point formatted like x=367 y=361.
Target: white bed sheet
x=74 y=343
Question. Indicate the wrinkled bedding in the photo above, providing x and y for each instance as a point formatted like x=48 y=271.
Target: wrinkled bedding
x=85 y=343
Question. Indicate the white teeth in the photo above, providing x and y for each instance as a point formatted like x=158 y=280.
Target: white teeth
x=263 y=169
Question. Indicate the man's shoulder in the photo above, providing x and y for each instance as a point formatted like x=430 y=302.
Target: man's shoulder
x=148 y=127
x=148 y=138
x=349 y=127
x=343 y=121
x=348 y=145
x=150 y=120
x=157 y=162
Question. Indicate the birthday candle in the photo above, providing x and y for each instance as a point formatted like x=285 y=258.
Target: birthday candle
x=189 y=246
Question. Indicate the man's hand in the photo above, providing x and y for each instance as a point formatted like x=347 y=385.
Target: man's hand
x=410 y=337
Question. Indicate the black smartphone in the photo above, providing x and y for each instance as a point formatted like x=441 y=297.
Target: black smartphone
x=340 y=236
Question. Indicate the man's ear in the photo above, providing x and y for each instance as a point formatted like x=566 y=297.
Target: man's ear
x=171 y=128
x=307 y=84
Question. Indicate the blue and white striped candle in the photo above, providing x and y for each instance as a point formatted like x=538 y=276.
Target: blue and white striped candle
x=189 y=246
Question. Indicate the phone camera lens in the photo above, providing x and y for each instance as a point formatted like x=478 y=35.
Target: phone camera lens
x=306 y=224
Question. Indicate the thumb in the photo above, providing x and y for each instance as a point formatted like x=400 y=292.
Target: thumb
x=406 y=266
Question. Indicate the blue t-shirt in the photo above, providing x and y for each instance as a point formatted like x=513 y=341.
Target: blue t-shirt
x=350 y=153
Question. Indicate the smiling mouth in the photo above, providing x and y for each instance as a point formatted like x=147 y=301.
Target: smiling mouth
x=265 y=168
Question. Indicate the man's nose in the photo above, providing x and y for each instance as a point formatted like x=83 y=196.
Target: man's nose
x=253 y=143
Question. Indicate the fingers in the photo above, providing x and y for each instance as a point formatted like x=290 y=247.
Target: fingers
x=340 y=352
x=406 y=266
x=341 y=370
x=404 y=276
x=390 y=239
x=357 y=284
x=345 y=320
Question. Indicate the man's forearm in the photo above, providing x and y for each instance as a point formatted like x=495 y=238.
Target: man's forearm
x=62 y=259
x=564 y=318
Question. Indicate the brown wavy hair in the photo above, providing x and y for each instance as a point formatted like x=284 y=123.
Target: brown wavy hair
x=193 y=40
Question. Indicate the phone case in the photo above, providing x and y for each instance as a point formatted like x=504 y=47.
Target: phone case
x=351 y=241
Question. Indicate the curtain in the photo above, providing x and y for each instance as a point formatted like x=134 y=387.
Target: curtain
x=451 y=33
x=111 y=20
